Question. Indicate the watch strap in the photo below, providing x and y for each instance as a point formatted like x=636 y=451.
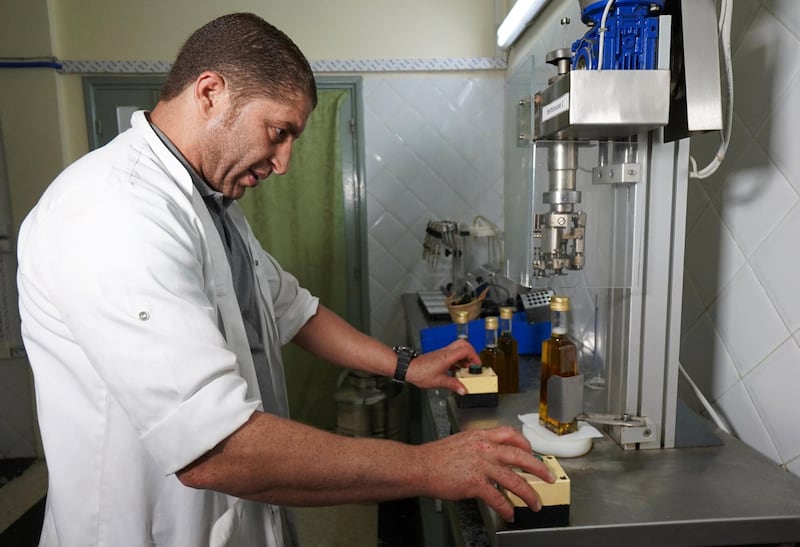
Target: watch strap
x=404 y=357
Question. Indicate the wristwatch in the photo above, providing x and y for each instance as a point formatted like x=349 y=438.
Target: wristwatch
x=404 y=357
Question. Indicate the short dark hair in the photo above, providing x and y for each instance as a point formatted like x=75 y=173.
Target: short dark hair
x=256 y=59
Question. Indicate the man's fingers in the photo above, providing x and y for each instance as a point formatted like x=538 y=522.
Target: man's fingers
x=508 y=435
x=455 y=385
x=463 y=351
x=495 y=499
x=514 y=456
x=512 y=482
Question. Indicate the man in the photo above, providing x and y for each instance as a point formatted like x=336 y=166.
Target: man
x=153 y=321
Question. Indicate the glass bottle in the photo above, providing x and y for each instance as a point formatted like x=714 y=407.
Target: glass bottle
x=508 y=345
x=559 y=358
x=492 y=356
x=462 y=325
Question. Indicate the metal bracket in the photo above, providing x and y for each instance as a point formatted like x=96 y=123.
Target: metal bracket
x=524 y=127
x=625 y=420
x=620 y=173
x=629 y=430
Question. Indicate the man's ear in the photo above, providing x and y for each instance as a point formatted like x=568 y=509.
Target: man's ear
x=211 y=94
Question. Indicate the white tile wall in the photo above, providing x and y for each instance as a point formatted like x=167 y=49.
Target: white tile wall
x=743 y=346
x=434 y=152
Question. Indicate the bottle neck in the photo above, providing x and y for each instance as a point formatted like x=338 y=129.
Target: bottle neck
x=462 y=331
x=559 y=322
x=491 y=338
x=505 y=326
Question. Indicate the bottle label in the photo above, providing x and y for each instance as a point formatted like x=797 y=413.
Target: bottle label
x=565 y=397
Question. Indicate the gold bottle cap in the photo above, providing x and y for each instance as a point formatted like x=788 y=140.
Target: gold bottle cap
x=491 y=323
x=507 y=312
x=462 y=317
x=559 y=303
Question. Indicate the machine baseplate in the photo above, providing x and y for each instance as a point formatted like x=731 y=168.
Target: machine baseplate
x=555 y=499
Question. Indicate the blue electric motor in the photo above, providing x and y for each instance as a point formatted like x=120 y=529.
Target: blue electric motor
x=631 y=38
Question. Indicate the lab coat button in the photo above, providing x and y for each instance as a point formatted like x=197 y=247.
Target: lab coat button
x=144 y=316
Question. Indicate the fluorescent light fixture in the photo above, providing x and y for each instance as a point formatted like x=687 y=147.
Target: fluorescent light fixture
x=520 y=16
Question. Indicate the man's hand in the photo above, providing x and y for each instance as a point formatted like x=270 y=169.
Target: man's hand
x=429 y=370
x=472 y=464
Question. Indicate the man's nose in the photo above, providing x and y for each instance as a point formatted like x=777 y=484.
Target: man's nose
x=280 y=159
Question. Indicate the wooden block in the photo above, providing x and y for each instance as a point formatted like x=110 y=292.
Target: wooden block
x=485 y=382
x=555 y=499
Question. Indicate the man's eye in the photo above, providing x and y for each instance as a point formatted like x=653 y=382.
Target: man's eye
x=279 y=133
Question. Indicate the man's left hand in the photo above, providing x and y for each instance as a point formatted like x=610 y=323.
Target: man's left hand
x=430 y=370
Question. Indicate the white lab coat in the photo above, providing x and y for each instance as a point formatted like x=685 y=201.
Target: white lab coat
x=140 y=358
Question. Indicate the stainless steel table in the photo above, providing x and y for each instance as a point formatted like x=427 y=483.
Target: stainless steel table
x=727 y=494
x=719 y=495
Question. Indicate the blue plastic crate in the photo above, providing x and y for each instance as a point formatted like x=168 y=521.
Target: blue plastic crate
x=529 y=336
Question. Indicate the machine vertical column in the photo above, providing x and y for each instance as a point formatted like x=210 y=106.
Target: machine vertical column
x=664 y=286
x=658 y=310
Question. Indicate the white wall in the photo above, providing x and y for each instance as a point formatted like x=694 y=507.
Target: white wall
x=741 y=321
x=434 y=152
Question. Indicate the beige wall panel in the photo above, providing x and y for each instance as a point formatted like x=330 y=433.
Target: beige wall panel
x=24 y=29
x=346 y=29
x=31 y=135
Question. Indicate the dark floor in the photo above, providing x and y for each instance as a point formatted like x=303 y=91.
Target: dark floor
x=11 y=468
x=25 y=530
x=399 y=523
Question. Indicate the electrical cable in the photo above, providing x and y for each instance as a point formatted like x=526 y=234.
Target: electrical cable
x=724 y=31
x=720 y=423
x=602 y=30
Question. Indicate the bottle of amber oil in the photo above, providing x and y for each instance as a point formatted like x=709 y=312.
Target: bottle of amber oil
x=561 y=389
x=491 y=355
x=508 y=345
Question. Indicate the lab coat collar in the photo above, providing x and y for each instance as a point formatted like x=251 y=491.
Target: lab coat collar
x=141 y=125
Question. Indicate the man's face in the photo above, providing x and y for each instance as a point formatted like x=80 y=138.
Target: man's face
x=246 y=143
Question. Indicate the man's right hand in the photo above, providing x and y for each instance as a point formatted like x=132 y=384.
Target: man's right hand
x=473 y=464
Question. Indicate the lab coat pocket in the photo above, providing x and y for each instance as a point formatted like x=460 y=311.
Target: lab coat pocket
x=247 y=524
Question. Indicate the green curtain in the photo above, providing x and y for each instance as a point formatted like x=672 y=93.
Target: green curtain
x=299 y=219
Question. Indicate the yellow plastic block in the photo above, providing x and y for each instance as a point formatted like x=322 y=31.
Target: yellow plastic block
x=557 y=493
x=485 y=382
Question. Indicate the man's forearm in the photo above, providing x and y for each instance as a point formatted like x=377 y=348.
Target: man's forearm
x=282 y=462
x=330 y=337
x=274 y=460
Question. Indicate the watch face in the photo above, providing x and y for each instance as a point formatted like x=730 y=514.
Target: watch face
x=405 y=351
